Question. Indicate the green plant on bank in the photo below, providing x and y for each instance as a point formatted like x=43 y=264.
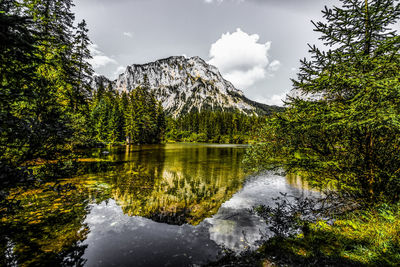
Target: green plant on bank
x=301 y=236
x=368 y=237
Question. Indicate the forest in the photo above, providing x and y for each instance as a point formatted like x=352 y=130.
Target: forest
x=214 y=127
x=128 y=118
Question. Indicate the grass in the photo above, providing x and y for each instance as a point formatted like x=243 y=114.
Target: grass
x=363 y=238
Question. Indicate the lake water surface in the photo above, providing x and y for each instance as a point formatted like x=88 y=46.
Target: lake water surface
x=159 y=205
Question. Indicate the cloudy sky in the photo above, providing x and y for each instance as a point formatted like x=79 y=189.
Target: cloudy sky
x=256 y=44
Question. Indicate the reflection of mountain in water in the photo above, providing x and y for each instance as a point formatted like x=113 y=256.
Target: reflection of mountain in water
x=174 y=185
x=149 y=243
x=101 y=220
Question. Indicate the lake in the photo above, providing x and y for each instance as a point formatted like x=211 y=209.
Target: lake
x=155 y=205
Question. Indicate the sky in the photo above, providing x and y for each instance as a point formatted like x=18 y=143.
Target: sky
x=256 y=44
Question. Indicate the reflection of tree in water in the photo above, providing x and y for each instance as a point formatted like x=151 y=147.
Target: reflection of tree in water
x=47 y=230
x=298 y=182
x=177 y=187
x=303 y=183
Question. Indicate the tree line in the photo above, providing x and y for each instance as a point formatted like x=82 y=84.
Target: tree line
x=214 y=127
x=134 y=117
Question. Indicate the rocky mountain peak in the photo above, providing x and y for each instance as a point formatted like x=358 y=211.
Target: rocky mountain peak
x=185 y=85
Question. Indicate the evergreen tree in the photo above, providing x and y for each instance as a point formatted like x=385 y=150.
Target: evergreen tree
x=342 y=123
x=213 y=126
x=113 y=123
x=81 y=90
x=54 y=26
x=45 y=127
x=161 y=124
x=18 y=57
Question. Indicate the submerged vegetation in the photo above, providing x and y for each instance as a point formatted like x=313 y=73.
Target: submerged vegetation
x=169 y=185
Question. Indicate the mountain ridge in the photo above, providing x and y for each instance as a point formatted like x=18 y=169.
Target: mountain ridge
x=185 y=85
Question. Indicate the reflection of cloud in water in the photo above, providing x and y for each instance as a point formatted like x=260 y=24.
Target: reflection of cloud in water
x=236 y=231
x=119 y=239
x=234 y=226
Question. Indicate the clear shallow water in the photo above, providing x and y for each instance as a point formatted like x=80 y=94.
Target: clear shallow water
x=164 y=205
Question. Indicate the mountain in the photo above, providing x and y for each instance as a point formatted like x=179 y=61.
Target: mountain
x=184 y=85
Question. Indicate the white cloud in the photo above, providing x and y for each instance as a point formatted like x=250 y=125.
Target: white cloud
x=244 y=79
x=276 y=99
x=242 y=59
x=99 y=58
x=274 y=65
x=128 y=34
x=118 y=71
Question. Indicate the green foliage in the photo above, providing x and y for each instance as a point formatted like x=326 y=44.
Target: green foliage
x=341 y=131
x=342 y=127
x=362 y=238
x=33 y=121
x=136 y=117
x=81 y=70
x=213 y=127
x=46 y=99
x=145 y=121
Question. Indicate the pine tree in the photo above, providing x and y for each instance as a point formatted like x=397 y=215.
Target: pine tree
x=18 y=57
x=54 y=26
x=46 y=127
x=113 y=124
x=131 y=126
x=83 y=71
x=161 y=123
x=342 y=123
